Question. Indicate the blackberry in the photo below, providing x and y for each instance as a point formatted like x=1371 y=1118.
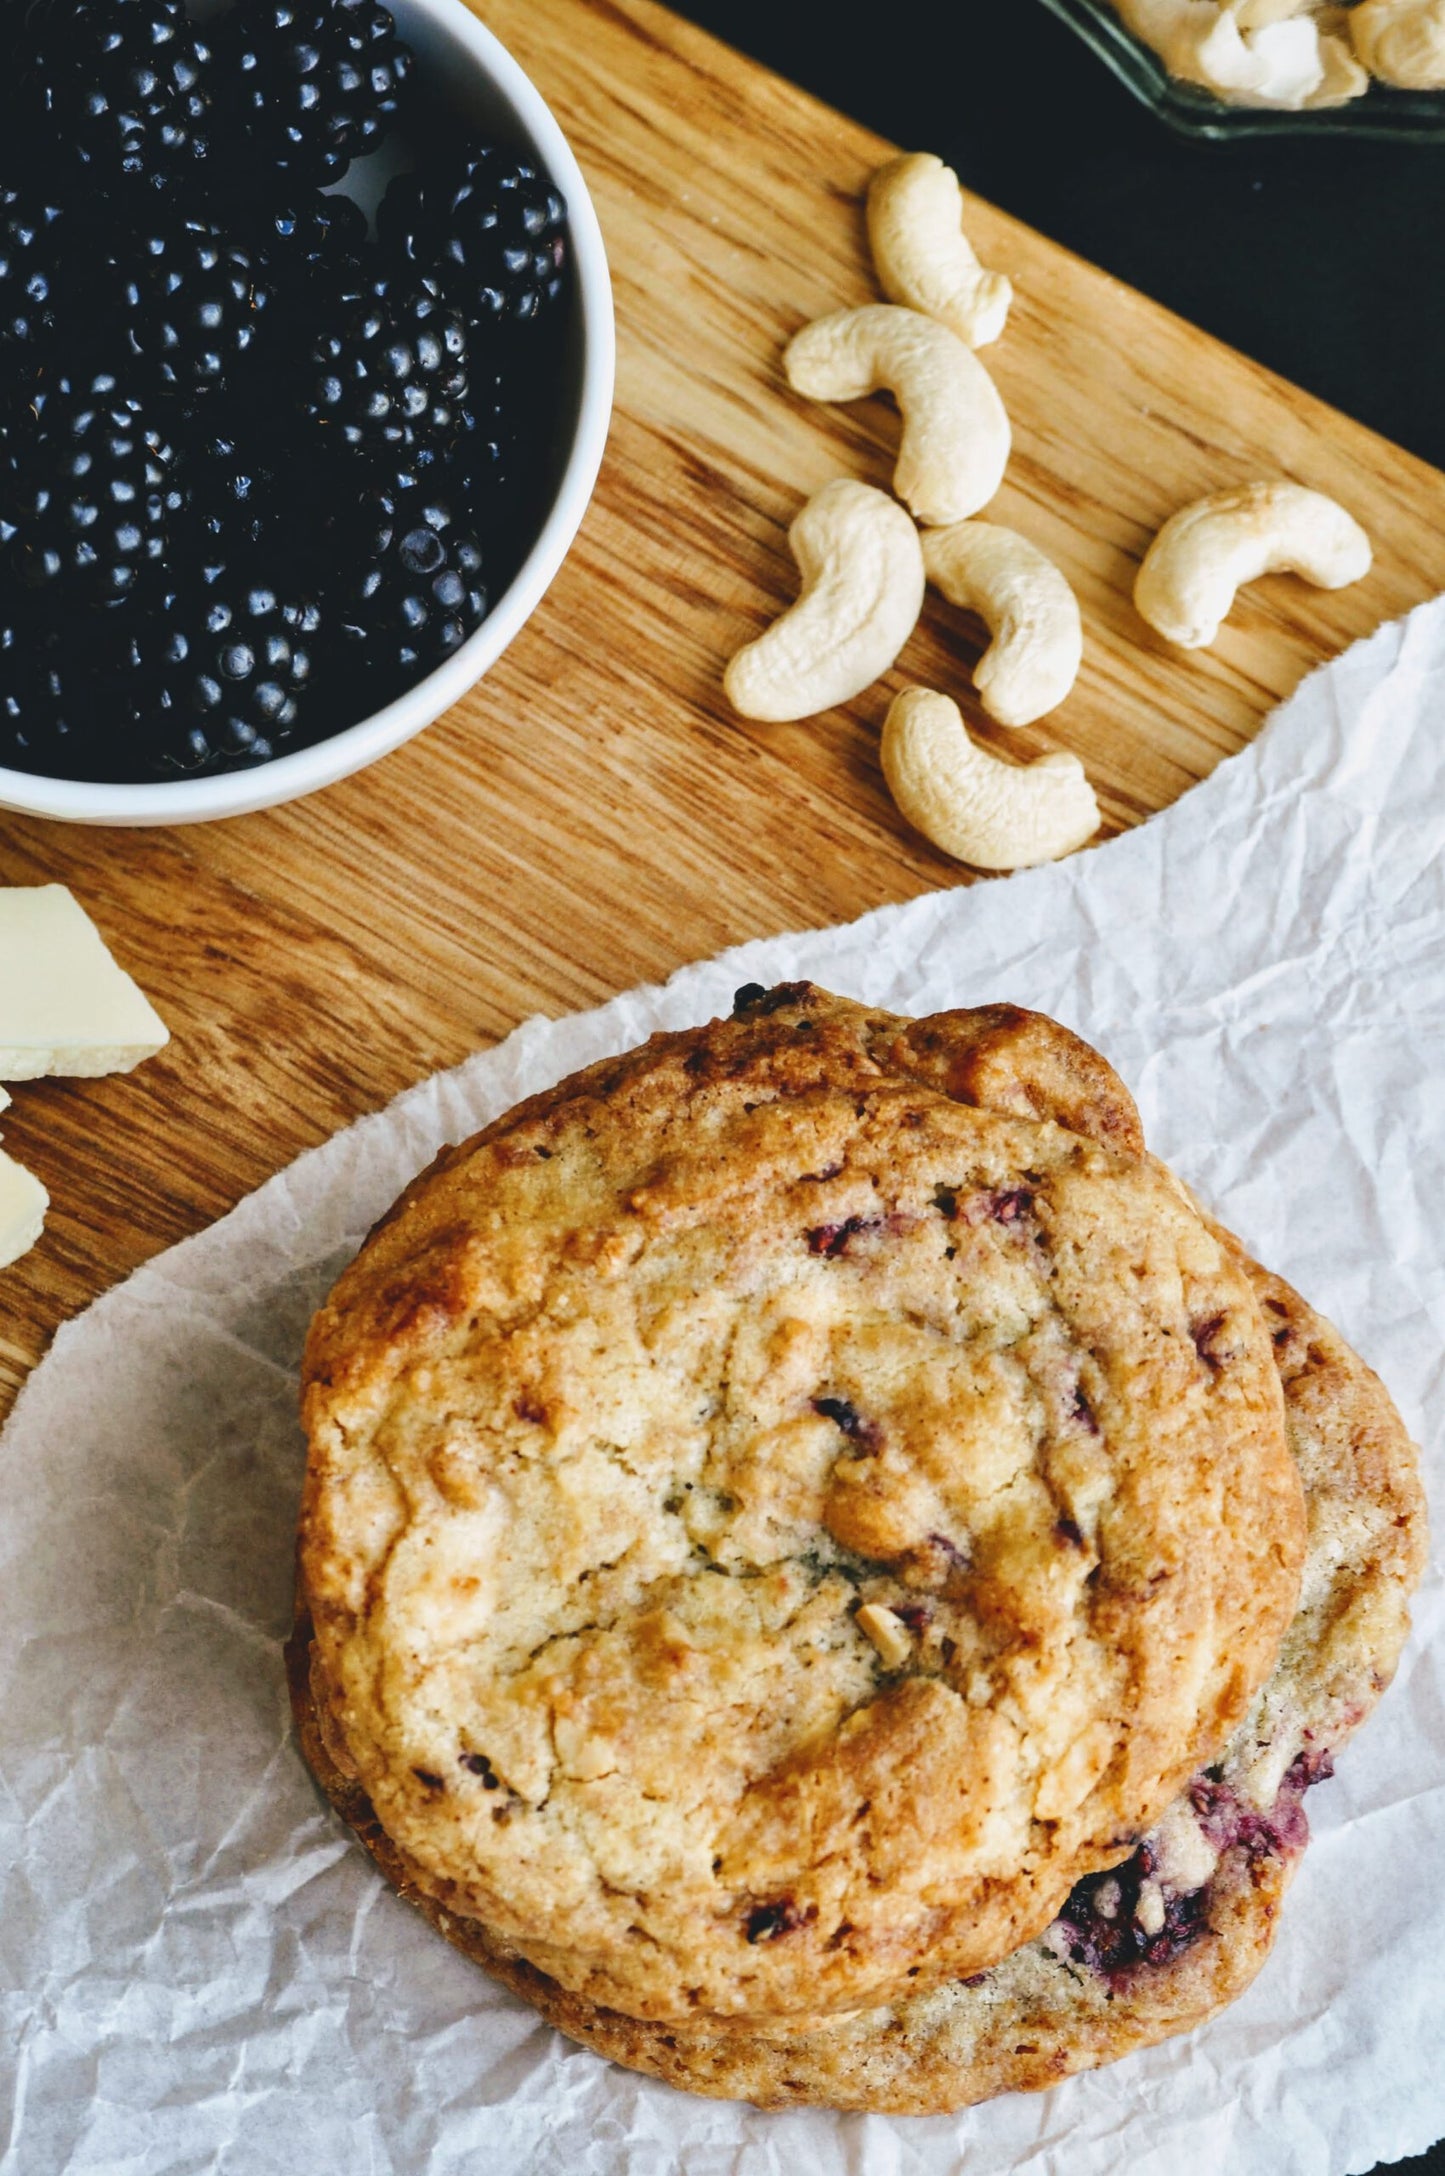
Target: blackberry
x=121 y=86
x=498 y=463
x=17 y=423
x=488 y=454
x=224 y=672
x=1100 y=1923
x=243 y=449
x=313 y=242
x=193 y=301
x=392 y=374
x=90 y=497
x=259 y=505
x=240 y=507
x=29 y=274
x=490 y=229
x=310 y=85
x=46 y=707
x=417 y=594
x=12 y=31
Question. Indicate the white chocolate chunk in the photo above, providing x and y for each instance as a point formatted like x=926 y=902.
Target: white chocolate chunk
x=1107 y=1899
x=1264 y=1778
x=23 y=1203
x=65 y=1006
x=1183 y=1854
x=1149 y=1911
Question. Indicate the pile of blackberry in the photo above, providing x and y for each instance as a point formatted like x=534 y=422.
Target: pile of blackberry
x=259 y=471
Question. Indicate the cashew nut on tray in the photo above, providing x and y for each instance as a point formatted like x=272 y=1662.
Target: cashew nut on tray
x=1402 y=41
x=955 y=443
x=1250 y=52
x=922 y=255
x=1185 y=587
x=862 y=569
x=1028 y=607
x=1255 y=14
x=994 y=815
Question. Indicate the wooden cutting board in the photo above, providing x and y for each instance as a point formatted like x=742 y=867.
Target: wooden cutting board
x=592 y=815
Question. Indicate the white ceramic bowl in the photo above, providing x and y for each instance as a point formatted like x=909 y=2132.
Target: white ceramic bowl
x=484 y=81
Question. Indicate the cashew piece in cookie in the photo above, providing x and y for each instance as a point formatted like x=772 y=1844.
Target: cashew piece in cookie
x=1028 y=608
x=1402 y=41
x=955 y=443
x=1185 y=587
x=862 y=569
x=991 y=814
x=922 y=255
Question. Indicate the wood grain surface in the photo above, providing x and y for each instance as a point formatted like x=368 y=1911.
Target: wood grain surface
x=591 y=815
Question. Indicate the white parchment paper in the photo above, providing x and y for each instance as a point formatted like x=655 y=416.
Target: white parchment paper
x=199 y=1972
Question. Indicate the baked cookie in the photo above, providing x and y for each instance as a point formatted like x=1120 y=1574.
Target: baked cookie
x=753 y=1512
x=1145 y=1951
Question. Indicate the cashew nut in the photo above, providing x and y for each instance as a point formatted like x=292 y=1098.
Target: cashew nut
x=1402 y=41
x=862 y=569
x=1185 y=587
x=922 y=255
x=1248 y=52
x=955 y=443
x=1028 y=607
x=994 y=815
x=1343 y=77
x=1255 y=14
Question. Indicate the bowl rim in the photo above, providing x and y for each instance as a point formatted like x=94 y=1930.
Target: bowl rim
x=307 y=770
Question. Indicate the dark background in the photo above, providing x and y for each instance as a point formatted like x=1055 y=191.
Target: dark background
x=1322 y=259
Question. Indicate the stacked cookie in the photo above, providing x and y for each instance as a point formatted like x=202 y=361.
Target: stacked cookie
x=821 y=1568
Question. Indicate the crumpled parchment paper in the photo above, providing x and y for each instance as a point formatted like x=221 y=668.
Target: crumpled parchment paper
x=200 y=1972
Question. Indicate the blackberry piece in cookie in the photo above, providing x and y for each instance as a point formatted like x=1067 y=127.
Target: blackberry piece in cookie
x=121 y=87
x=307 y=86
x=853 y=1446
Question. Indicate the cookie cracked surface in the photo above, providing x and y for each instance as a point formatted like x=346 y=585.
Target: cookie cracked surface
x=1150 y=1948
x=637 y=1403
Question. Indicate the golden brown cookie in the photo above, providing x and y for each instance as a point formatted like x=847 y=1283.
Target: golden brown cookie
x=1161 y=1942
x=752 y=1522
